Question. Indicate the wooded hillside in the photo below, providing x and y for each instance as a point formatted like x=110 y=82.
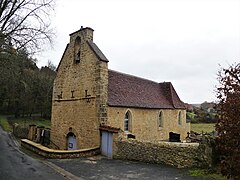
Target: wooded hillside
x=25 y=89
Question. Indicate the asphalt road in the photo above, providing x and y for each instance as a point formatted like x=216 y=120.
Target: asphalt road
x=16 y=165
x=101 y=168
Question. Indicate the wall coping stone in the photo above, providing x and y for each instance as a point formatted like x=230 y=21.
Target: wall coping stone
x=53 y=153
x=166 y=143
x=179 y=144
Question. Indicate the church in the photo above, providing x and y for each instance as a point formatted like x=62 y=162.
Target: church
x=92 y=104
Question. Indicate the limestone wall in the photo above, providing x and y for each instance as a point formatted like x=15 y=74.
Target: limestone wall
x=102 y=91
x=175 y=154
x=77 y=95
x=59 y=154
x=144 y=122
x=81 y=117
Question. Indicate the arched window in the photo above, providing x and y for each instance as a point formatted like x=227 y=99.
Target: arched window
x=127 y=121
x=160 y=119
x=179 y=118
x=77 y=48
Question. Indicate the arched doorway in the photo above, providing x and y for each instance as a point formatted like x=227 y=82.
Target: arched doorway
x=71 y=141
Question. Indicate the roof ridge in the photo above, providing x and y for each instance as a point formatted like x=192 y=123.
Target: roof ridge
x=135 y=76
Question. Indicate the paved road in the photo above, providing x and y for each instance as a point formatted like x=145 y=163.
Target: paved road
x=15 y=165
x=101 y=168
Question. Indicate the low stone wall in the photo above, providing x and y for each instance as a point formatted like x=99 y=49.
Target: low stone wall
x=180 y=155
x=20 y=131
x=60 y=154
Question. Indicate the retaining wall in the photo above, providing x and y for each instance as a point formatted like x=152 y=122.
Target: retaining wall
x=61 y=154
x=180 y=155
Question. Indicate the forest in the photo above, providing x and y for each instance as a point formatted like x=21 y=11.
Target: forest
x=25 y=27
x=25 y=88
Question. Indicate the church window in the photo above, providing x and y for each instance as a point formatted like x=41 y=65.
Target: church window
x=127 y=121
x=160 y=119
x=77 y=50
x=179 y=118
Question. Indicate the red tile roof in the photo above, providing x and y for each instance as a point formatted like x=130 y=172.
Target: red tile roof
x=130 y=91
x=109 y=128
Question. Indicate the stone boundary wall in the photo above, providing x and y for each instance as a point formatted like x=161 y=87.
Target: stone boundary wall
x=180 y=155
x=20 y=131
x=60 y=154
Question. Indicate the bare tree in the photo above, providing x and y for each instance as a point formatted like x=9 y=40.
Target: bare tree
x=25 y=23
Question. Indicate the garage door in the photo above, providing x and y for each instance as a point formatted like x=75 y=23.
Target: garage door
x=106 y=144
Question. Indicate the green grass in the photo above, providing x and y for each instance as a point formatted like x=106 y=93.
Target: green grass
x=4 y=123
x=7 y=123
x=205 y=174
x=25 y=122
x=203 y=127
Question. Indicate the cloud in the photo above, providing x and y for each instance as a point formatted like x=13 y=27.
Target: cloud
x=179 y=41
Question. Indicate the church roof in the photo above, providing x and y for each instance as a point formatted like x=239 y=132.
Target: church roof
x=130 y=91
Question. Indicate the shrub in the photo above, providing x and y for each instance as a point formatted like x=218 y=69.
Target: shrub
x=228 y=126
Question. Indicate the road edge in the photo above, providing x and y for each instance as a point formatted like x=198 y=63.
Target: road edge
x=56 y=168
x=61 y=171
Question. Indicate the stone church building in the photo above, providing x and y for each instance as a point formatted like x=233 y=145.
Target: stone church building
x=93 y=104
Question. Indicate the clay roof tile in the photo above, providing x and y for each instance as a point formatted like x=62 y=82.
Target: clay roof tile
x=130 y=91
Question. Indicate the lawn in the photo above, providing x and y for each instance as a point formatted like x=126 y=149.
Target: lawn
x=7 y=123
x=203 y=127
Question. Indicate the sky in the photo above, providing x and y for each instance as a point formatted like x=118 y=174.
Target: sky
x=180 y=41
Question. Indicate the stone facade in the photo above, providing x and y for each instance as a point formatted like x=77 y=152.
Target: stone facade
x=86 y=98
x=144 y=122
x=79 y=94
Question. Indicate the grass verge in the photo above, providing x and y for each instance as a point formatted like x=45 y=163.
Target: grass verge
x=4 y=123
x=206 y=174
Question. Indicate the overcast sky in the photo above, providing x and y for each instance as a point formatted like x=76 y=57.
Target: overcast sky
x=181 y=41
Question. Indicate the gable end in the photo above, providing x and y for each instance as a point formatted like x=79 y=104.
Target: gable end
x=62 y=56
x=97 y=51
